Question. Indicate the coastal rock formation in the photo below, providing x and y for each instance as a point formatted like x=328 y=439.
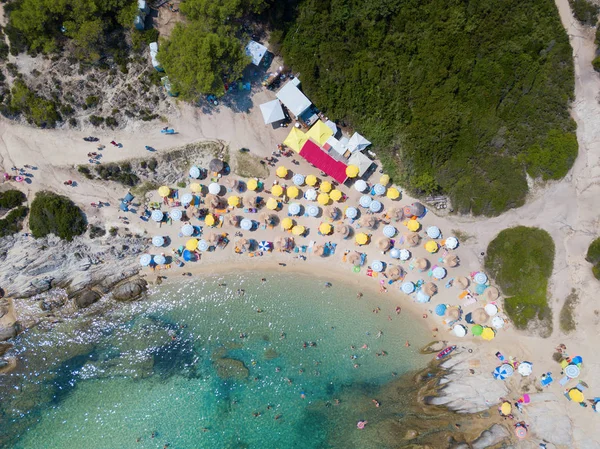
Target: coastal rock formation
x=7 y=332
x=488 y=438
x=130 y=290
x=86 y=298
x=230 y=369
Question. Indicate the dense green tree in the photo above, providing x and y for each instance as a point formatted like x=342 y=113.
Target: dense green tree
x=218 y=12
x=36 y=109
x=55 y=214
x=593 y=257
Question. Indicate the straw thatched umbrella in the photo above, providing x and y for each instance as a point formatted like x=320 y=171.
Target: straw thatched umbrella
x=281 y=244
x=212 y=238
x=491 y=294
x=232 y=220
x=230 y=183
x=212 y=201
x=412 y=239
x=451 y=260
x=479 y=316
x=250 y=199
x=394 y=272
x=333 y=213
x=368 y=221
x=430 y=289
x=354 y=258
x=267 y=218
x=421 y=263
x=343 y=230
x=384 y=244
x=461 y=282
x=395 y=213
x=319 y=250
x=453 y=313
x=243 y=244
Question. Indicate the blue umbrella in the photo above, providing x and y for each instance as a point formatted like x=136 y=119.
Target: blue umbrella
x=312 y=210
x=389 y=231
x=264 y=246
x=246 y=224
x=145 y=260
x=379 y=189
x=298 y=179
x=365 y=201
x=375 y=206
x=160 y=259
x=395 y=253
x=440 y=309
x=503 y=371
x=194 y=172
x=188 y=255
x=479 y=288
x=294 y=209
x=352 y=213
x=203 y=245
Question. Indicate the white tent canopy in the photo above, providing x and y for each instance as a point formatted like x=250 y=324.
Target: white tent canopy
x=332 y=126
x=361 y=161
x=340 y=146
x=357 y=143
x=293 y=99
x=272 y=112
x=256 y=51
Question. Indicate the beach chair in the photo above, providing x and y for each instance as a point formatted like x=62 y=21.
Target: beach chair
x=564 y=381
x=304 y=248
x=546 y=380
x=363 y=257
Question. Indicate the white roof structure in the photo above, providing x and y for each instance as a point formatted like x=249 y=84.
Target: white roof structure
x=357 y=143
x=256 y=51
x=153 y=52
x=339 y=146
x=361 y=161
x=293 y=99
x=332 y=126
x=272 y=111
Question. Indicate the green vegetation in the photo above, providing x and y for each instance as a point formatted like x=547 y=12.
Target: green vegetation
x=37 y=110
x=458 y=97
x=593 y=257
x=248 y=166
x=11 y=198
x=118 y=172
x=55 y=214
x=596 y=63
x=585 y=11
x=97 y=231
x=13 y=222
x=520 y=259
x=567 y=313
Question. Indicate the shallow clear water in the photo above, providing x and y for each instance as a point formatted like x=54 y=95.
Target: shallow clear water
x=151 y=367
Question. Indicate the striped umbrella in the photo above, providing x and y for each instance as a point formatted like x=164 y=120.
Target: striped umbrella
x=503 y=372
x=203 y=245
x=352 y=213
x=365 y=201
x=375 y=206
x=294 y=209
x=264 y=246
x=145 y=260
x=404 y=254
x=377 y=266
x=187 y=230
x=312 y=210
x=158 y=240
x=408 y=287
x=160 y=259
x=379 y=189
x=176 y=214
x=389 y=231
x=157 y=215
x=298 y=179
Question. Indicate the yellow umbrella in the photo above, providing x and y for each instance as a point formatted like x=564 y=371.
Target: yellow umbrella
x=311 y=180
x=431 y=246
x=325 y=228
x=323 y=199
x=195 y=187
x=393 y=193
x=252 y=184
x=287 y=223
x=298 y=230
x=362 y=238
x=320 y=132
x=281 y=171
x=384 y=180
x=576 y=395
x=233 y=201
x=191 y=244
x=352 y=171
x=272 y=204
x=292 y=192
x=209 y=220
x=488 y=334
x=326 y=187
x=295 y=140
x=505 y=408
x=164 y=191
x=413 y=225
x=335 y=195
x=277 y=190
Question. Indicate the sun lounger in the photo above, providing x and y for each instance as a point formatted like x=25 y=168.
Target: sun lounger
x=547 y=380
x=564 y=380
x=363 y=257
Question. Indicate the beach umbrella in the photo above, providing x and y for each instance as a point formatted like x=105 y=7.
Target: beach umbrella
x=287 y=223
x=277 y=190
x=451 y=260
x=462 y=282
x=203 y=245
x=216 y=165
x=440 y=309
x=187 y=255
x=246 y=224
x=264 y=246
x=384 y=180
x=325 y=187
x=572 y=371
x=343 y=230
x=453 y=313
x=158 y=240
x=281 y=171
x=282 y=244
x=393 y=193
x=416 y=210
x=319 y=250
x=451 y=242
x=361 y=185
x=379 y=189
x=459 y=330
x=377 y=266
x=505 y=408
x=395 y=213
x=480 y=278
x=491 y=309
x=312 y=210
x=187 y=230
x=479 y=316
x=351 y=212
x=384 y=244
x=408 y=287
x=311 y=180
x=525 y=369
x=209 y=220
x=368 y=221
x=323 y=199
x=431 y=246
x=214 y=188
x=412 y=238
x=430 y=289
x=422 y=297
x=267 y=218
x=145 y=260
x=421 y=263
x=160 y=259
x=433 y=232
x=187 y=198
x=298 y=230
x=325 y=228
x=191 y=244
x=497 y=322
x=488 y=333
x=157 y=215
x=404 y=254
x=521 y=432
x=389 y=231
x=352 y=171
x=233 y=201
x=231 y=183
x=477 y=330
x=244 y=244
x=252 y=184
x=354 y=258
x=298 y=179
x=525 y=399
x=214 y=202
x=375 y=206
x=292 y=192
x=395 y=253
x=502 y=372
x=310 y=194
x=336 y=195
x=365 y=201
x=439 y=273
x=293 y=209
x=194 y=172
x=394 y=272
x=272 y=204
x=164 y=191
x=362 y=238
x=232 y=220
x=195 y=187
x=576 y=395
x=332 y=213
x=491 y=294
x=413 y=225
x=176 y=214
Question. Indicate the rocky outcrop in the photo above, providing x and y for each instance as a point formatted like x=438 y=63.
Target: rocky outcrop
x=8 y=331
x=86 y=298
x=130 y=290
x=230 y=369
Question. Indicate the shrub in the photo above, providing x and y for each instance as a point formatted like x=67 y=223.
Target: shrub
x=585 y=11
x=55 y=214
x=97 y=231
x=96 y=120
x=13 y=222
x=11 y=198
x=73 y=122
x=596 y=63
x=36 y=109
x=111 y=121
x=181 y=184
x=113 y=231
x=593 y=257
x=554 y=157
x=141 y=39
x=121 y=174
x=85 y=171
x=91 y=101
x=152 y=164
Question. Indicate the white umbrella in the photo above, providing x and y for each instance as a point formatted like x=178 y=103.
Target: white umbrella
x=433 y=232
x=145 y=260
x=439 y=273
x=497 y=322
x=158 y=240
x=404 y=254
x=312 y=210
x=203 y=245
x=408 y=287
x=157 y=215
x=176 y=214
x=395 y=253
x=352 y=213
x=214 y=188
x=294 y=209
x=480 y=278
x=298 y=179
x=361 y=185
x=375 y=206
x=423 y=297
x=365 y=201
x=246 y=224
x=451 y=242
x=187 y=198
x=525 y=369
x=389 y=231
x=572 y=371
x=377 y=266
x=311 y=194
x=459 y=330
x=160 y=259
x=194 y=172
x=491 y=309
x=187 y=230
x=379 y=189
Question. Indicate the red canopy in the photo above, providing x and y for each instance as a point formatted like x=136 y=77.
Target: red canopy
x=320 y=159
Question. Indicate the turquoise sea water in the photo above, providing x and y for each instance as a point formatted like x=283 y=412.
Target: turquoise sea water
x=176 y=366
